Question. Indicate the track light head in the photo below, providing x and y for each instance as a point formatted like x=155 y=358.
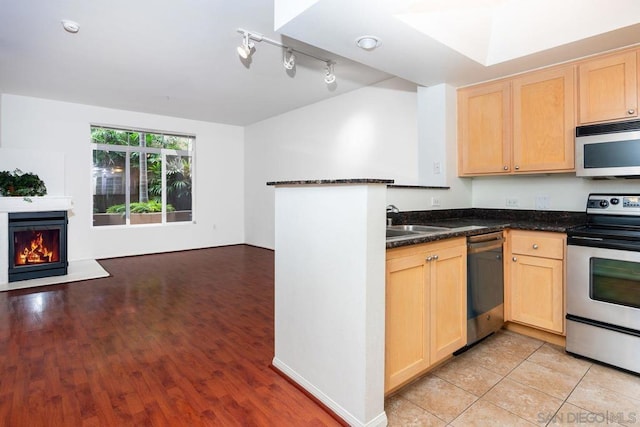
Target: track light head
x=244 y=50
x=289 y=60
x=329 y=75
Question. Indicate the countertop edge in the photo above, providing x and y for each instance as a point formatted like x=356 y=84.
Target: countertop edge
x=465 y=233
x=333 y=181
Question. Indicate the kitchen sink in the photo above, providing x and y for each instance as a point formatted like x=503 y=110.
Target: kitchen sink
x=417 y=228
x=397 y=232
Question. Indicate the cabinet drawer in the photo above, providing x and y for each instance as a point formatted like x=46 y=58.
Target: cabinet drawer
x=540 y=244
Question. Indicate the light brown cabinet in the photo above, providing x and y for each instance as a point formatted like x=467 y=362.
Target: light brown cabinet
x=534 y=291
x=608 y=88
x=544 y=121
x=520 y=125
x=484 y=129
x=425 y=307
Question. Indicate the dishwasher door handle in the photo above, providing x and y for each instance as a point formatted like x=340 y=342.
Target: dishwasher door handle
x=484 y=246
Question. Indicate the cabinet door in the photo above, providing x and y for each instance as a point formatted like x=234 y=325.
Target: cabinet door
x=608 y=88
x=448 y=283
x=544 y=121
x=407 y=322
x=536 y=292
x=484 y=129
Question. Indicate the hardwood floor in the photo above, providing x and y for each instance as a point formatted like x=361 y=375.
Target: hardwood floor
x=179 y=339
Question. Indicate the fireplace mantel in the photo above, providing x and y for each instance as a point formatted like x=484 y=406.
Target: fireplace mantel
x=35 y=204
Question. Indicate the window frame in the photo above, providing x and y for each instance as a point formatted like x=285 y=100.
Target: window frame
x=128 y=150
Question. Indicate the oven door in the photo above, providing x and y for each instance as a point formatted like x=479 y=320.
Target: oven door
x=603 y=299
x=604 y=285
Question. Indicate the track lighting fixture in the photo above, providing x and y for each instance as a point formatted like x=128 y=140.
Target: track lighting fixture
x=329 y=75
x=244 y=50
x=289 y=57
x=289 y=60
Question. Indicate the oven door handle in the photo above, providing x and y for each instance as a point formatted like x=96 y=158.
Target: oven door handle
x=604 y=325
x=622 y=245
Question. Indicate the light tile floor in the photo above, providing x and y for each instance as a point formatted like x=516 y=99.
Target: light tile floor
x=513 y=380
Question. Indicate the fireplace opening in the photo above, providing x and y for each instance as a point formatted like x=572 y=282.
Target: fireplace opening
x=37 y=245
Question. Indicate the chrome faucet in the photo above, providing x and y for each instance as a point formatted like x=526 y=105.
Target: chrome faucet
x=391 y=209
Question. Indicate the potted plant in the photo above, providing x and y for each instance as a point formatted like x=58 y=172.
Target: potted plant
x=18 y=183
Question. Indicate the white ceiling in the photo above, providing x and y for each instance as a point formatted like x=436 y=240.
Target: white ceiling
x=178 y=58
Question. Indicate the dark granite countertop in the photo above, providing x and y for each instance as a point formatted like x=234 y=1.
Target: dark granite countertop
x=333 y=181
x=474 y=221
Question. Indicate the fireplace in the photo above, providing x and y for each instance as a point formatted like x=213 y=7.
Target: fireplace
x=37 y=245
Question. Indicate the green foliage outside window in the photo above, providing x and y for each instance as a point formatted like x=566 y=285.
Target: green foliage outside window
x=142 y=175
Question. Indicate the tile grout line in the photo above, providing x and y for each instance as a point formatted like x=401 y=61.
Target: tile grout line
x=526 y=358
x=568 y=395
x=493 y=386
x=564 y=400
x=504 y=377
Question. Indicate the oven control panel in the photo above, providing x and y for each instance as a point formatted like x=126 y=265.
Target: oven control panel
x=631 y=202
x=615 y=204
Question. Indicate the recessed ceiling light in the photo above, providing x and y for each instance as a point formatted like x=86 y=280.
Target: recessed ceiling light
x=70 y=26
x=368 y=42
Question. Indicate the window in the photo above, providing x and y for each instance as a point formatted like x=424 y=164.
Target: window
x=141 y=177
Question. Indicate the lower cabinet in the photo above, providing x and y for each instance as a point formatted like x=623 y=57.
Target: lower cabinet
x=426 y=307
x=535 y=289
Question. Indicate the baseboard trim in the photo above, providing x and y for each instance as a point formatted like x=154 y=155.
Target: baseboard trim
x=340 y=414
x=309 y=395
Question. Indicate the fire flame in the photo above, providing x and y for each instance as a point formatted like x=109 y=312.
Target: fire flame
x=35 y=252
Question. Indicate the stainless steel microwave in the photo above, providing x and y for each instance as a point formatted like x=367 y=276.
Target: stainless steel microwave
x=608 y=150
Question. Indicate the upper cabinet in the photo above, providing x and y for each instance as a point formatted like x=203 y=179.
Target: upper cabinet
x=521 y=125
x=544 y=121
x=484 y=129
x=608 y=88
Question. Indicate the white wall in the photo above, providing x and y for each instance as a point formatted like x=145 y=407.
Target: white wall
x=367 y=133
x=62 y=129
x=437 y=141
x=565 y=191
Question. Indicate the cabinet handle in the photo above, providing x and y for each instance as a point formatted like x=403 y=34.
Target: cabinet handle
x=505 y=168
x=514 y=259
x=435 y=257
x=429 y=258
x=535 y=246
x=517 y=167
x=631 y=111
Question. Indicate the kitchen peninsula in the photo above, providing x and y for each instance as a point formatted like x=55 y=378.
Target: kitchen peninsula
x=330 y=292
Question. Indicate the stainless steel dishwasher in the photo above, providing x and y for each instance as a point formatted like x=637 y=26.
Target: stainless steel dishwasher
x=485 y=285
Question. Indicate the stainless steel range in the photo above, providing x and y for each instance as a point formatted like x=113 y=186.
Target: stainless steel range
x=603 y=282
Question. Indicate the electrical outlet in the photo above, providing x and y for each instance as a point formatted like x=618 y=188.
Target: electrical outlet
x=435 y=201
x=436 y=168
x=543 y=202
x=511 y=202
